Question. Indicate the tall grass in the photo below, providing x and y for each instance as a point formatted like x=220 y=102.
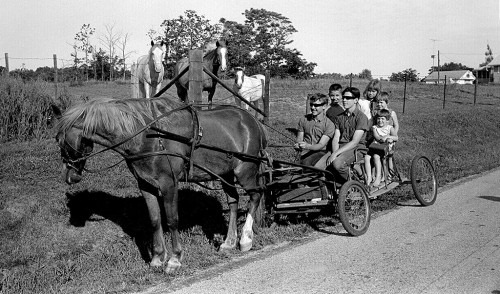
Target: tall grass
x=25 y=109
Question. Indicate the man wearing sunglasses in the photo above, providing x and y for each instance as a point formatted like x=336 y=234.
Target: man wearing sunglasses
x=350 y=132
x=314 y=131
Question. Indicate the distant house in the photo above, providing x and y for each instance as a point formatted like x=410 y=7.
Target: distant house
x=489 y=73
x=452 y=77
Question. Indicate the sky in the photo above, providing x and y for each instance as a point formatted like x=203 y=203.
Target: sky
x=384 y=36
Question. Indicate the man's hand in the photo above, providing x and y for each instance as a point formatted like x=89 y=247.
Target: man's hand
x=303 y=145
x=331 y=158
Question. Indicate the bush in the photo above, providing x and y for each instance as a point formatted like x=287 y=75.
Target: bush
x=25 y=109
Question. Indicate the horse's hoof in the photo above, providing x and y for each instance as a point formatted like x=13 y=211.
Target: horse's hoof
x=156 y=262
x=227 y=246
x=172 y=266
x=245 y=245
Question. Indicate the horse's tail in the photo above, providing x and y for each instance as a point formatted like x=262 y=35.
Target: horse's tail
x=134 y=81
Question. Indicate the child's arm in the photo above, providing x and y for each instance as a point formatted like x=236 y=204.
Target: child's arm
x=377 y=137
x=393 y=136
x=395 y=121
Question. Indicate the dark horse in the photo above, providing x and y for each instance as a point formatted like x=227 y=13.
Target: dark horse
x=215 y=58
x=158 y=161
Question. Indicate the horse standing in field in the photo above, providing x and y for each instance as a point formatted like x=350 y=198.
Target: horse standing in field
x=157 y=161
x=147 y=74
x=251 y=88
x=214 y=58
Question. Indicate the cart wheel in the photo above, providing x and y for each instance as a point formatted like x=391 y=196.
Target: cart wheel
x=423 y=180
x=354 y=208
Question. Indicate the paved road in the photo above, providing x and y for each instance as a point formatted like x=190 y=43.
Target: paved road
x=450 y=247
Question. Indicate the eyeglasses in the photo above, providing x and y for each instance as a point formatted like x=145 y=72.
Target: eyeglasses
x=348 y=97
x=316 y=105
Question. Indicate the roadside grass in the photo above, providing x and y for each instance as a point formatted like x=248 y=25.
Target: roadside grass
x=90 y=237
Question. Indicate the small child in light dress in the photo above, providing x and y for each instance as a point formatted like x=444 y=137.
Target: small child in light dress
x=383 y=132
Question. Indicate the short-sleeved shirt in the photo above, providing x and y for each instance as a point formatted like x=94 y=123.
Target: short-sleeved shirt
x=315 y=128
x=334 y=110
x=348 y=123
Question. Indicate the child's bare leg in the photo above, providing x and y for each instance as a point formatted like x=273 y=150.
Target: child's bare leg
x=378 y=169
x=368 y=169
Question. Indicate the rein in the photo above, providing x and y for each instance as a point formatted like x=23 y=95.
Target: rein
x=71 y=162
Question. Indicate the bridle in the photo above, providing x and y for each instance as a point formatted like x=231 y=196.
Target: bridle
x=71 y=163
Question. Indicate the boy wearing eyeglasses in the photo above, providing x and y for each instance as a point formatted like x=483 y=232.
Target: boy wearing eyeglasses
x=350 y=133
x=314 y=131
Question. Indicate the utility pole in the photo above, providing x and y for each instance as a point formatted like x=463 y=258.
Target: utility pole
x=438 y=67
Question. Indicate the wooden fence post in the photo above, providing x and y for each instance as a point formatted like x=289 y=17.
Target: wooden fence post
x=265 y=97
x=475 y=92
x=195 y=76
x=55 y=74
x=7 y=63
x=404 y=96
x=444 y=92
x=350 y=81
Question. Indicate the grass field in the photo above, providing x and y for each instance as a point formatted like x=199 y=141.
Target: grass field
x=86 y=238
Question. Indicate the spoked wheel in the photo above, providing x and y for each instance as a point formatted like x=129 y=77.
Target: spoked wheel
x=423 y=180
x=354 y=208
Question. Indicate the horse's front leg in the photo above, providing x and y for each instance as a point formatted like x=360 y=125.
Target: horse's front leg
x=232 y=201
x=147 y=90
x=159 y=250
x=170 y=201
x=246 y=239
x=211 y=93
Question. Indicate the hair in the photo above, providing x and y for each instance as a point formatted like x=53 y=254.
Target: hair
x=318 y=97
x=383 y=96
x=354 y=91
x=335 y=87
x=383 y=113
x=373 y=85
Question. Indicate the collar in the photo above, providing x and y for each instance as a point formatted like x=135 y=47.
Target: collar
x=320 y=117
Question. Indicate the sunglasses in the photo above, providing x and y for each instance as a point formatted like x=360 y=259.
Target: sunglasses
x=348 y=97
x=316 y=105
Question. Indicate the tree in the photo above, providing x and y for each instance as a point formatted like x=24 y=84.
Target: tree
x=82 y=43
x=365 y=74
x=450 y=66
x=184 y=33
x=488 y=56
x=109 y=40
x=270 y=34
x=122 y=45
x=411 y=76
x=239 y=45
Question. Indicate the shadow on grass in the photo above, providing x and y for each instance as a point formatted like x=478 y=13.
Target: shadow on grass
x=491 y=198
x=131 y=214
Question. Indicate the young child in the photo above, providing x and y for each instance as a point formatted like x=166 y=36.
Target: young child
x=383 y=132
x=336 y=107
x=371 y=92
x=382 y=102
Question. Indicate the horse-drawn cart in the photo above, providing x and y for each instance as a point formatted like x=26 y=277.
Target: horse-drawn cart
x=294 y=188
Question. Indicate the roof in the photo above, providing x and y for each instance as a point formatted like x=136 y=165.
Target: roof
x=451 y=74
x=495 y=61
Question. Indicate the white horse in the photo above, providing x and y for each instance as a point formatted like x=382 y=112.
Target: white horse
x=251 y=88
x=147 y=74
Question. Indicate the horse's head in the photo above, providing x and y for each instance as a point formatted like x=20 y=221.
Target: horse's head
x=240 y=77
x=157 y=53
x=74 y=150
x=221 y=54
x=74 y=153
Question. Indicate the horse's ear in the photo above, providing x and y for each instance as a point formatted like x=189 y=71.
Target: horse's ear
x=56 y=111
x=152 y=43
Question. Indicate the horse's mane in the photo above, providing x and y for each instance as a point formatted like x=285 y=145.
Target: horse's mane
x=121 y=118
